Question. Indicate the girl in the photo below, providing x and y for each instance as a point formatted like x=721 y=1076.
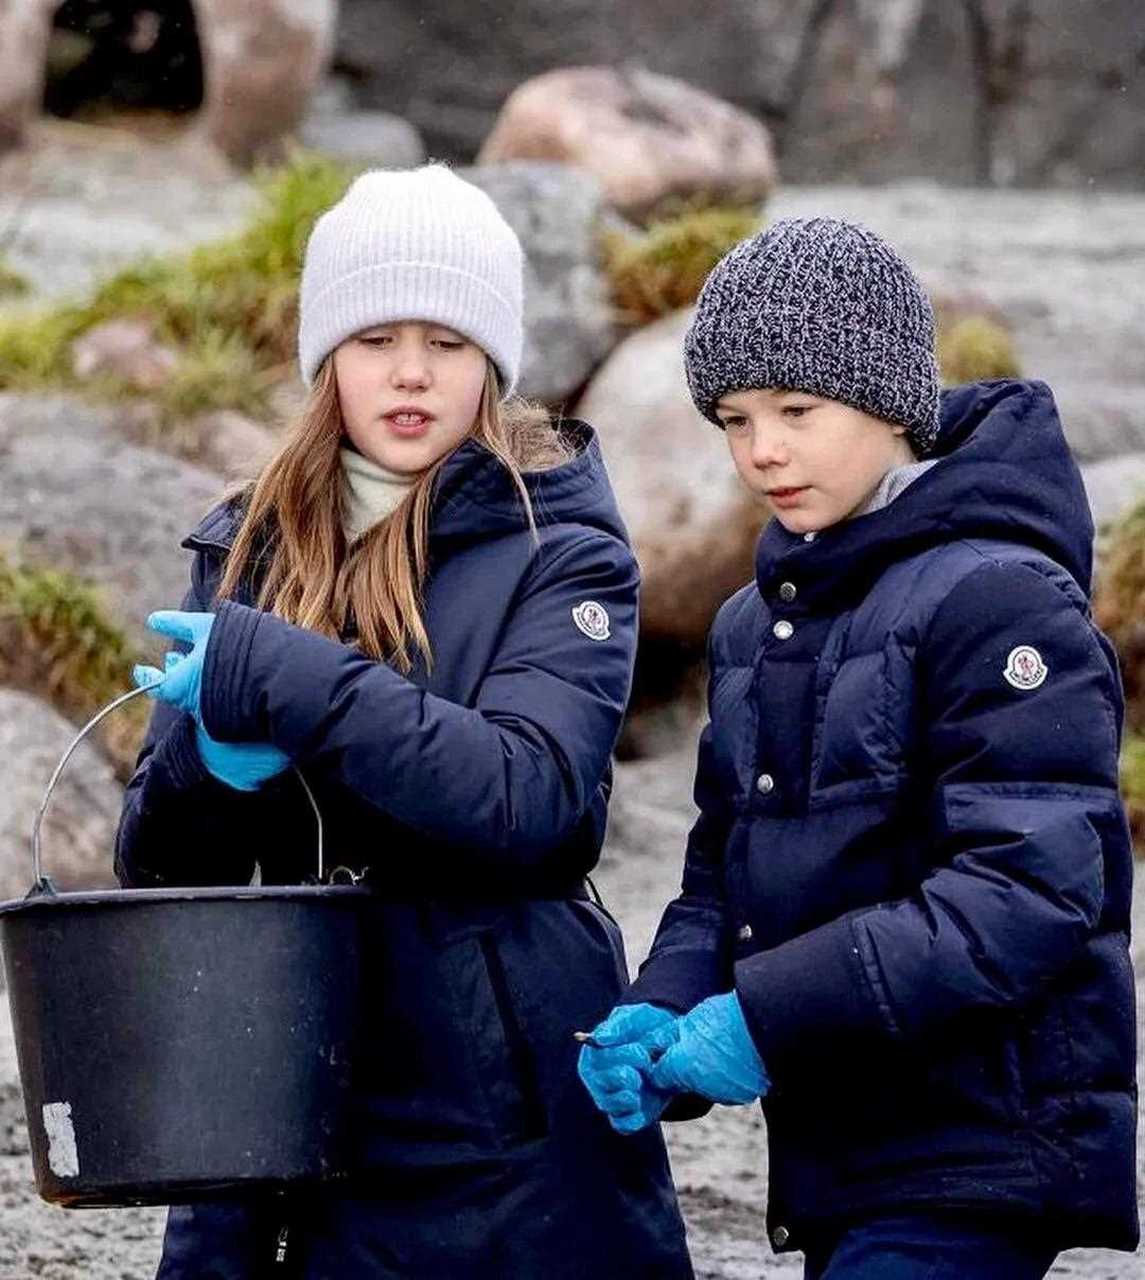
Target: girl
x=905 y=908
x=427 y=602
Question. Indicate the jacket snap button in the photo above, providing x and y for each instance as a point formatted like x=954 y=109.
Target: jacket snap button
x=781 y=1236
x=809 y=537
x=744 y=933
x=783 y=630
x=787 y=591
x=765 y=784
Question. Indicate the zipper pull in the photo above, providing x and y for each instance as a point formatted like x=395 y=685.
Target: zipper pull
x=280 y=1245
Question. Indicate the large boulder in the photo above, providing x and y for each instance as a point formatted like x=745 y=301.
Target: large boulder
x=647 y=137
x=74 y=495
x=25 y=26
x=1114 y=486
x=1008 y=92
x=263 y=59
x=569 y=323
x=693 y=527
x=79 y=826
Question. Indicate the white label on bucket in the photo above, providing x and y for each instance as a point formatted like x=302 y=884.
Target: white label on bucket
x=62 y=1155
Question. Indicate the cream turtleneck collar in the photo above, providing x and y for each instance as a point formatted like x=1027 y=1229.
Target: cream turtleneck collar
x=371 y=492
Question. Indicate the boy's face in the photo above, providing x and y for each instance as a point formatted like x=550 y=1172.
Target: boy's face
x=811 y=462
x=409 y=392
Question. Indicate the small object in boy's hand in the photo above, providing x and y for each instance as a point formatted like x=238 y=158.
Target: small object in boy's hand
x=585 y=1037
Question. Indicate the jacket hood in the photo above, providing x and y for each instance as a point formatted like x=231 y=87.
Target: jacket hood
x=1004 y=471
x=476 y=497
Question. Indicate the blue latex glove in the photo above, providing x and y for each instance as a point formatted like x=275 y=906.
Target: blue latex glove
x=181 y=685
x=242 y=765
x=616 y=1073
x=245 y=766
x=709 y=1051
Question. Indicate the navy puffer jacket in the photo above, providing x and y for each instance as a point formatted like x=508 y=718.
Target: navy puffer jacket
x=475 y=794
x=911 y=859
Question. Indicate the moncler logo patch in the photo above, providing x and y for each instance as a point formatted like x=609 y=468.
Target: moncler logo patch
x=592 y=619
x=1025 y=668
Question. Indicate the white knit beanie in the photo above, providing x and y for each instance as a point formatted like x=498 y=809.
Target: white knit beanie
x=417 y=244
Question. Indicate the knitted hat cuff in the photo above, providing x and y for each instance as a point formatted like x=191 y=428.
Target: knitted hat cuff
x=420 y=291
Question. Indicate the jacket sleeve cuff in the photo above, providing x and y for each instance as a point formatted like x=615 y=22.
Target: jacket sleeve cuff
x=678 y=979
x=226 y=706
x=803 y=998
x=176 y=758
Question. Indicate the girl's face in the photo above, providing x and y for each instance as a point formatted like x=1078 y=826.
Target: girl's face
x=409 y=392
x=810 y=461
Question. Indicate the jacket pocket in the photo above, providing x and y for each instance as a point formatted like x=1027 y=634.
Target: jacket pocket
x=503 y=1062
x=614 y=936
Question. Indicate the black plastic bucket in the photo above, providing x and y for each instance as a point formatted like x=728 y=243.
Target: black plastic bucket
x=175 y=1044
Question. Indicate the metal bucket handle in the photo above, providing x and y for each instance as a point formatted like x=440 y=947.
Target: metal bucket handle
x=43 y=885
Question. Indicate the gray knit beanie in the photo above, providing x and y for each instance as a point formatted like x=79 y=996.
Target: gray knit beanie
x=418 y=244
x=822 y=306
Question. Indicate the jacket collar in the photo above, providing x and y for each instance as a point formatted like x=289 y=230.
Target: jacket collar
x=476 y=497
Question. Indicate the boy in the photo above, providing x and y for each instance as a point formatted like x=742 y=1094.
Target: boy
x=905 y=907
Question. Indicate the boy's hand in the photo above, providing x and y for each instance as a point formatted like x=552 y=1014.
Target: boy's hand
x=708 y=1051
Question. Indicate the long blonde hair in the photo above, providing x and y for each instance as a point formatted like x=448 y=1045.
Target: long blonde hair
x=293 y=525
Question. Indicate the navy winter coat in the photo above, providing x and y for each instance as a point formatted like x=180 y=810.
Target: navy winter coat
x=476 y=796
x=911 y=859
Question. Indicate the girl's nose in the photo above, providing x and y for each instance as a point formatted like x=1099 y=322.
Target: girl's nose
x=410 y=368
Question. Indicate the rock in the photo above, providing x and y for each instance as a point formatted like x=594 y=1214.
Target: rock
x=232 y=444
x=79 y=826
x=1010 y=92
x=693 y=528
x=569 y=323
x=73 y=495
x=125 y=350
x=646 y=137
x=262 y=59
x=25 y=26
x=374 y=138
x=1114 y=485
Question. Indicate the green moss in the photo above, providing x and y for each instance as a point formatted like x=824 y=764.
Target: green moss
x=229 y=306
x=973 y=347
x=1133 y=785
x=57 y=641
x=1119 y=606
x=1120 y=599
x=34 y=347
x=664 y=268
x=12 y=283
